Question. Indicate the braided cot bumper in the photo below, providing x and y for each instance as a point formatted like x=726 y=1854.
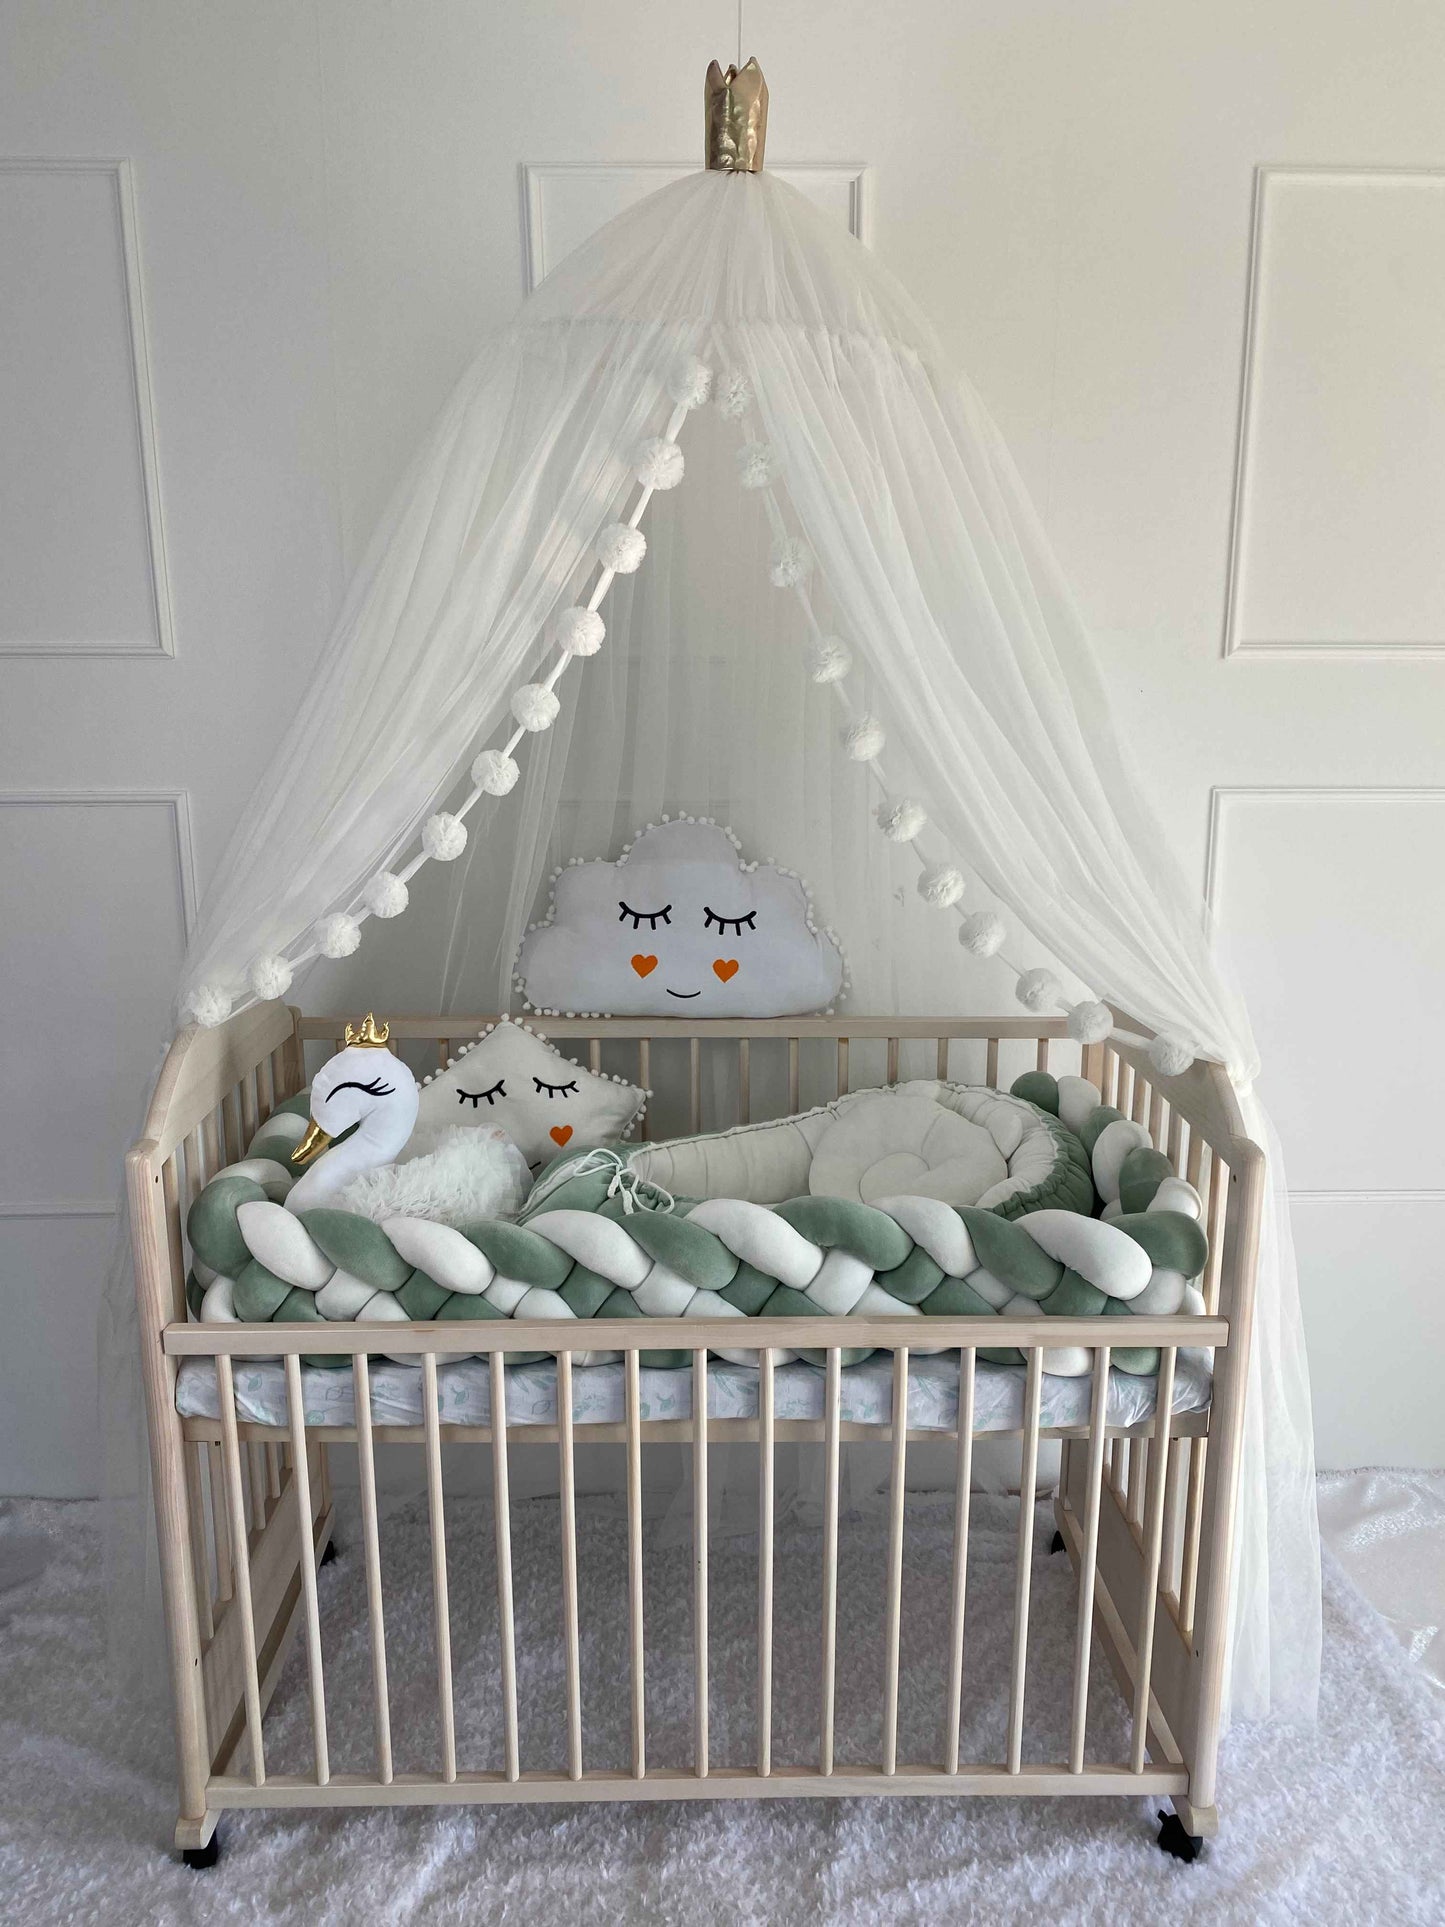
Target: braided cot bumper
x=585 y=1250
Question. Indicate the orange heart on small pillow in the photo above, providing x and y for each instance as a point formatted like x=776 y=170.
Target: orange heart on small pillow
x=725 y=967
x=560 y=1133
x=644 y=966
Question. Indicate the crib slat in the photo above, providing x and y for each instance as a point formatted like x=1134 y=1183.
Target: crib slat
x=1193 y=1519
x=200 y=1557
x=962 y=1492
x=371 y=1550
x=1137 y=1475
x=832 y=1391
x=895 y=1558
x=256 y=1468
x=745 y=1083
x=231 y=1456
x=1032 y=1392
x=699 y=1561
x=567 y=1468
x=990 y=1069
x=1089 y=1561
x=594 y=1054
x=644 y=1078
x=444 y=1051
x=1153 y=1543
x=220 y=1522
x=941 y=1065
x=694 y=1084
x=306 y=1552
x=892 y=1060
x=765 y=1563
x=1156 y=1118
x=843 y=1067
x=1041 y=1059
x=632 y=1382
x=793 y=1074
x=501 y=1506
x=437 y=1513
x=250 y=1089
x=1171 y=1516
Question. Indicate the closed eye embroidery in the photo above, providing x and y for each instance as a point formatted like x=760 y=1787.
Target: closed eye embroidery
x=555 y=1090
x=712 y=921
x=652 y=918
x=374 y=1089
x=474 y=1098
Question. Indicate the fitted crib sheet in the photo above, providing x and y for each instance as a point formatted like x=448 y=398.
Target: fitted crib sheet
x=464 y=1393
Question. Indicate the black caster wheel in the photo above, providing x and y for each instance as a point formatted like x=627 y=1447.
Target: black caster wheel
x=1056 y=1544
x=1174 y=1841
x=202 y=1857
x=330 y=1553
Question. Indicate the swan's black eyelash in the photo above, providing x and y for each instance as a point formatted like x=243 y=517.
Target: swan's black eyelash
x=652 y=918
x=474 y=1098
x=374 y=1089
x=712 y=921
x=554 y=1090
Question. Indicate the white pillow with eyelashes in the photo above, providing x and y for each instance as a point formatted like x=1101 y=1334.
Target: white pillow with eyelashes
x=543 y=1101
x=680 y=926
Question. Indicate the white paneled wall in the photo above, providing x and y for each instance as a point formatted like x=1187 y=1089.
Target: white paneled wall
x=1194 y=259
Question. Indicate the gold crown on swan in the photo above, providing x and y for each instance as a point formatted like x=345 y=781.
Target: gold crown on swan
x=735 y=109
x=368 y=1037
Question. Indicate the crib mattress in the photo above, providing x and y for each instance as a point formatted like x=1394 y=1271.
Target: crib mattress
x=464 y=1391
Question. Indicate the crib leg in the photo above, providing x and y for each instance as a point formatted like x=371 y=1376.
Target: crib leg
x=199 y=1841
x=1056 y=1544
x=1175 y=1841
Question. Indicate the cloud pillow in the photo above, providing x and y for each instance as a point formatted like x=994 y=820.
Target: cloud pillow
x=542 y=1100
x=680 y=926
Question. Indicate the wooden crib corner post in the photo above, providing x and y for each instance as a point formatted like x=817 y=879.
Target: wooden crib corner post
x=150 y=1250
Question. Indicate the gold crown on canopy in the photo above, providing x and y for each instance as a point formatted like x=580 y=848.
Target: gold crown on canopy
x=368 y=1037
x=735 y=109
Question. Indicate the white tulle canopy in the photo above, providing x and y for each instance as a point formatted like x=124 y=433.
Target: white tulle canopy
x=846 y=626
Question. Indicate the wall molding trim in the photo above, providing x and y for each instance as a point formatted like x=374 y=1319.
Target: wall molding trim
x=856 y=176
x=1220 y=794
x=1378 y=1195
x=177 y=801
x=143 y=399
x=1234 y=644
x=71 y=1208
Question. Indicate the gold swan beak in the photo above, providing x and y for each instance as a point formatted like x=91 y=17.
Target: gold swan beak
x=314 y=1142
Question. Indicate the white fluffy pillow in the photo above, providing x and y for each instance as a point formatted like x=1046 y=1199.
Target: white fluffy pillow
x=892 y=1144
x=545 y=1102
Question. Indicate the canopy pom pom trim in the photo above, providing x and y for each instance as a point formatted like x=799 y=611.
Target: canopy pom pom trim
x=338 y=935
x=658 y=464
x=580 y=632
x=621 y=548
x=791 y=563
x=535 y=706
x=689 y=382
x=734 y=395
x=1038 y=990
x=270 y=977
x=1171 y=1054
x=209 y=1005
x=829 y=659
x=1090 y=1023
x=444 y=837
x=756 y=465
x=982 y=934
x=901 y=821
x=386 y=895
x=864 y=740
x=495 y=773
x=941 y=885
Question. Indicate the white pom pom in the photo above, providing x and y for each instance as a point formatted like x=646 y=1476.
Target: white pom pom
x=658 y=464
x=494 y=772
x=829 y=659
x=755 y=465
x=900 y=822
x=941 y=885
x=580 y=632
x=1038 y=990
x=535 y=706
x=982 y=934
x=864 y=740
x=338 y=936
x=791 y=562
x=443 y=837
x=1090 y=1023
x=209 y=1005
x=621 y=549
x=689 y=381
x=386 y=895
x=1171 y=1053
x=269 y=977
x=734 y=395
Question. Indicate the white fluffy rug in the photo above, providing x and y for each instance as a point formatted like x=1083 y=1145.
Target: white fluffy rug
x=1346 y=1824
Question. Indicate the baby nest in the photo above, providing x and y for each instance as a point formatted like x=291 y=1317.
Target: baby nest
x=613 y=1233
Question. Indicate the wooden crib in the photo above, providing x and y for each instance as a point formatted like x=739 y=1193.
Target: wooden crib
x=244 y=1511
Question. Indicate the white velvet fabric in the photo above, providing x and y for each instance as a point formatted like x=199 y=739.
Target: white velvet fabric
x=931 y=565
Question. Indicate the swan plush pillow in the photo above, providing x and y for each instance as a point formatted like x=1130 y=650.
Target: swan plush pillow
x=543 y=1101
x=680 y=925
